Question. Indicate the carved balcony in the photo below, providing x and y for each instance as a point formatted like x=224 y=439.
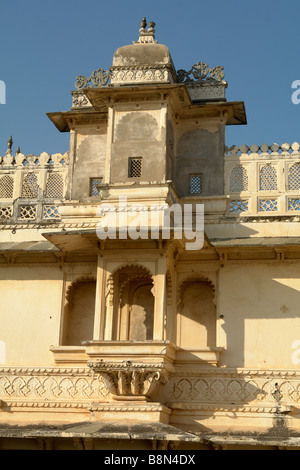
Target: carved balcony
x=131 y=370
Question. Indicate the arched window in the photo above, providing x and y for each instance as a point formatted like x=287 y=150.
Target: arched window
x=238 y=179
x=30 y=189
x=294 y=177
x=141 y=312
x=268 y=178
x=134 y=304
x=6 y=187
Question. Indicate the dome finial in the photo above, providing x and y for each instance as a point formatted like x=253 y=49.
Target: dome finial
x=143 y=24
x=146 y=36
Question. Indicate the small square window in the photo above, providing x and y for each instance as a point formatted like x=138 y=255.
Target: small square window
x=135 y=167
x=95 y=186
x=195 y=184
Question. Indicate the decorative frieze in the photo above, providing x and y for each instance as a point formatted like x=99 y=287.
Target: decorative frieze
x=237 y=387
x=141 y=74
x=80 y=100
x=211 y=388
x=50 y=387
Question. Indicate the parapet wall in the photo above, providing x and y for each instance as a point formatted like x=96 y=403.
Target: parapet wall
x=32 y=187
x=264 y=180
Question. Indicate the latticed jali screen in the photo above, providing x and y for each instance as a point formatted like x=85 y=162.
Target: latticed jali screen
x=6 y=187
x=50 y=211
x=195 y=184
x=268 y=178
x=27 y=212
x=55 y=186
x=268 y=205
x=238 y=179
x=135 y=167
x=95 y=186
x=30 y=189
x=6 y=212
x=294 y=177
x=238 y=206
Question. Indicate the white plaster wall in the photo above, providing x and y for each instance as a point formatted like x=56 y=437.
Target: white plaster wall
x=30 y=307
x=261 y=308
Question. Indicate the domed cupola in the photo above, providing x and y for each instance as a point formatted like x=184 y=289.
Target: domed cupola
x=144 y=62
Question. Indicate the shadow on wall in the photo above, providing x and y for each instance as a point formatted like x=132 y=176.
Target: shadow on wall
x=258 y=303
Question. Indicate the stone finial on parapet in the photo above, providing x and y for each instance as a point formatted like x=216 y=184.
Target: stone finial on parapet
x=9 y=146
x=146 y=36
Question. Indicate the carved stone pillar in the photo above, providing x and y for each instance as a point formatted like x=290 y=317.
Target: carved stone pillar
x=160 y=299
x=99 y=318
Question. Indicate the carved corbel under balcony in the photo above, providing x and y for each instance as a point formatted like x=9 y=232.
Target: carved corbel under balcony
x=130 y=381
x=131 y=370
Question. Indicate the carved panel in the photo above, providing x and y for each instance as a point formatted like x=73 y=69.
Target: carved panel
x=237 y=387
x=50 y=387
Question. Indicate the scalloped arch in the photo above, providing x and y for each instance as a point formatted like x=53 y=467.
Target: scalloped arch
x=193 y=278
x=72 y=286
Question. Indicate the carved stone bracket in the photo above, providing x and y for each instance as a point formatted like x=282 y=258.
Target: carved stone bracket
x=129 y=380
x=131 y=370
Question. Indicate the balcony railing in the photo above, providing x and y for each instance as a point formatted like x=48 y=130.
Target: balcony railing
x=32 y=187
x=264 y=180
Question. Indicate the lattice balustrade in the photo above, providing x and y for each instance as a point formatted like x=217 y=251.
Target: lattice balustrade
x=268 y=205
x=238 y=206
x=55 y=186
x=38 y=179
x=27 y=212
x=238 y=179
x=30 y=189
x=294 y=204
x=6 y=187
x=269 y=176
x=6 y=212
x=50 y=211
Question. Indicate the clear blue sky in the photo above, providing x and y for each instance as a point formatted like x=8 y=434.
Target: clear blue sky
x=45 y=44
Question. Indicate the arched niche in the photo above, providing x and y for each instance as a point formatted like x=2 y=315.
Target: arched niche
x=141 y=311
x=137 y=126
x=197 y=314
x=79 y=312
x=131 y=293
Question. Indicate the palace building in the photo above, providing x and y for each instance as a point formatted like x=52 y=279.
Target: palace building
x=150 y=276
